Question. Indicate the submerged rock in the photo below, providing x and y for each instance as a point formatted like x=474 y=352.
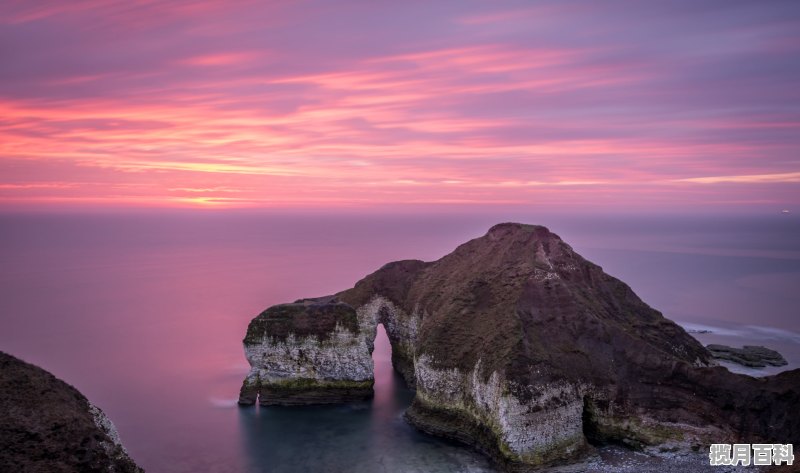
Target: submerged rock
x=48 y=426
x=749 y=355
x=523 y=349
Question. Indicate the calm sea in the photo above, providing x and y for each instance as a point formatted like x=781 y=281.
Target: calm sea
x=145 y=315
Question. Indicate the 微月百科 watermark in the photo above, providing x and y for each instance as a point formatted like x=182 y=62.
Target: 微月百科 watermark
x=746 y=454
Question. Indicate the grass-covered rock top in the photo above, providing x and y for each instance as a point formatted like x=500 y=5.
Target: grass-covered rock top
x=302 y=319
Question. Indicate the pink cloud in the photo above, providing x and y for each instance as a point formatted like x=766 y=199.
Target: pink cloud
x=212 y=104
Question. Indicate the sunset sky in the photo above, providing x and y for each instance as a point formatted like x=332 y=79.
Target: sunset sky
x=355 y=104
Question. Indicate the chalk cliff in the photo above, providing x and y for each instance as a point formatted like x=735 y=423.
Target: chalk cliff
x=48 y=426
x=314 y=351
x=521 y=348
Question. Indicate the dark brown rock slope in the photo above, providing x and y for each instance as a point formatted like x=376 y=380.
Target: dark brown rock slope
x=522 y=348
x=47 y=426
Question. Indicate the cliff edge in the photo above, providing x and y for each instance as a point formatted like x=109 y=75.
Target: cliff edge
x=48 y=426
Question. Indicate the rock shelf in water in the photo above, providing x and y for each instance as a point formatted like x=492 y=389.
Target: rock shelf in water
x=751 y=356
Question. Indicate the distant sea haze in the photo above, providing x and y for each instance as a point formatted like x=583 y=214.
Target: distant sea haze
x=145 y=315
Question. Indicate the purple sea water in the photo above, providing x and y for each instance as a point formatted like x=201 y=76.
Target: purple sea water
x=145 y=315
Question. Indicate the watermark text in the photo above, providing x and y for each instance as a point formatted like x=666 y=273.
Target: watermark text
x=746 y=454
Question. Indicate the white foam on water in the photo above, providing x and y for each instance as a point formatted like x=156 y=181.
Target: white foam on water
x=699 y=328
x=775 y=333
x=223 y=403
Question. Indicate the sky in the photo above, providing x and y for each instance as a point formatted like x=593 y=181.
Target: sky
x=614 y=105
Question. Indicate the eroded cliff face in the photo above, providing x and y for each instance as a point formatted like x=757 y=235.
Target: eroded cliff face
x=521 y=348
x=311 y=351
x=402 y=328
x=487 y=414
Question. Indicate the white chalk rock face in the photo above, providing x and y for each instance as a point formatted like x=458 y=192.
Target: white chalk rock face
x=311 y=351
x=342 y=356
x=525 y=429
x=401 y=327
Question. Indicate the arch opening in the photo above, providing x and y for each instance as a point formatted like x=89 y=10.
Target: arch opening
x=382 y=362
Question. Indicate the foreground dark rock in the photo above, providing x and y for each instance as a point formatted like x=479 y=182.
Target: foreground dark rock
x=48 y=426
x=749 y=355
x=523 y=349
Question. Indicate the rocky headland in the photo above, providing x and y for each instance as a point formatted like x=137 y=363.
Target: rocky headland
x=521 y=348
x=47 y=426
x=751 y=356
